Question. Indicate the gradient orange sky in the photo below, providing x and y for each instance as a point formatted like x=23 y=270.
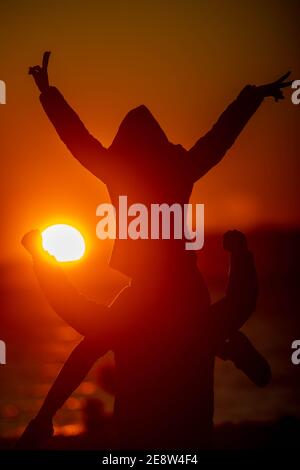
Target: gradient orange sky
x=186 y=60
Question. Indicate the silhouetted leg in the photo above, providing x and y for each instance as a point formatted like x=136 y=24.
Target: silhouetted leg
x=76 y=367
x=69 y=378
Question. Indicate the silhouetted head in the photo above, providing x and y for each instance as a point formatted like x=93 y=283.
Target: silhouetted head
x=138 y=134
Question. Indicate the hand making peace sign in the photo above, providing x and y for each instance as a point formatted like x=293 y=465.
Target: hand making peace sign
x=40 y=74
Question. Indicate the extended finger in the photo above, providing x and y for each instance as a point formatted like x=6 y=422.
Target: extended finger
x=46 y=57
x=285 y=84
x=284 y=77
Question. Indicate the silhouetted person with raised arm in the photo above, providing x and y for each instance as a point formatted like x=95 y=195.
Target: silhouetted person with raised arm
x=143 y=164
x=158 y=341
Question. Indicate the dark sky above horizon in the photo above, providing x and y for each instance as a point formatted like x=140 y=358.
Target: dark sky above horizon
x=186 y=60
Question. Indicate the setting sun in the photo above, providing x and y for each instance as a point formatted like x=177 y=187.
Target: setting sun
x=64 y=242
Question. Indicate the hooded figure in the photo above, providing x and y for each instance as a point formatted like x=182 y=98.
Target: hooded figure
x=142 y=164
x=163 y=330
x=165 y=354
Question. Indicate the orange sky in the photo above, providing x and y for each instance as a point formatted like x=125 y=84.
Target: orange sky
x=186 y=60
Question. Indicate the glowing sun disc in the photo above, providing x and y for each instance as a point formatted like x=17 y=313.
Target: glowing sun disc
x=64 y=242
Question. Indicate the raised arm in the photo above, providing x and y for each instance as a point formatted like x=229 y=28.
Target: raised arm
x=210 y=149
x=230 y=313
x=84 y=147
x=87 y=317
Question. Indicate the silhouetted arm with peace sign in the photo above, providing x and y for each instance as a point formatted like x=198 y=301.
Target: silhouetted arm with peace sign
x=85 y=148
x=211 y=148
